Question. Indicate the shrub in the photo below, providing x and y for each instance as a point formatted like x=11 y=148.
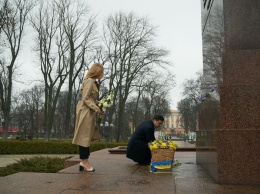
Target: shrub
x=36 y=164
x=42 y=147
x=43 y=164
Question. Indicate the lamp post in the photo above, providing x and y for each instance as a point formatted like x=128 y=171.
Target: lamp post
x=107 y=130
x=2 y=118
x=110 y=134
x=102 y=129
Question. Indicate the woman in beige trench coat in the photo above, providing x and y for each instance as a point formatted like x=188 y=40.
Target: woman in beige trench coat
x=86 y=115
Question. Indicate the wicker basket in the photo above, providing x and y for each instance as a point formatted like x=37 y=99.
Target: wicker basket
x=159 y=155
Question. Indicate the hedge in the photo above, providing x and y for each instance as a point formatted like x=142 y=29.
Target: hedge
x=41 y=147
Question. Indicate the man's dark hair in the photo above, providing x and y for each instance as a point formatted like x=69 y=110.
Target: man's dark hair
x=158 y=117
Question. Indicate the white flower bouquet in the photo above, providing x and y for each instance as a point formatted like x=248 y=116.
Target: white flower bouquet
x=104 y=104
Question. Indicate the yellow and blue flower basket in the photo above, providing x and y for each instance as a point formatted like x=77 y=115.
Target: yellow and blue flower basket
x=162 y=154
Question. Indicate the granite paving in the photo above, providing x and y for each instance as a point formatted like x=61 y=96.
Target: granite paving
x=117 y=174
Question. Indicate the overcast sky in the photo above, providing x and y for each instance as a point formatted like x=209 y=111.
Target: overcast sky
x=178 y=28
x=179 y=31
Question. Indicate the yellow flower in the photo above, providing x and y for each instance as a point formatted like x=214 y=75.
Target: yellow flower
x=163 y=145
x=169 y=144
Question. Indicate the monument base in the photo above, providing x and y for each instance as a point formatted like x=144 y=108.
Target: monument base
x=231 y=156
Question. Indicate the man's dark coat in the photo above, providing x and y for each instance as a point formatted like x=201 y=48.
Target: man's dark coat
x=137 y=148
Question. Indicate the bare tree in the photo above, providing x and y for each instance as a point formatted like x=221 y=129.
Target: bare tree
x=150 y=97
x=80 y=34
x=135 y=110
x=129 y=42
x=15 y=14
x=189 y=114
x=192 y=87
x=27 y=109
x=155 y=94
x=3 y=18
x=66 y=35
x=189 y=106
x=60 y=115
x=213 y=47
x=51 y=46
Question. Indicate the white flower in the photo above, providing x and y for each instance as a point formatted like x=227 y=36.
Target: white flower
x=105 y=104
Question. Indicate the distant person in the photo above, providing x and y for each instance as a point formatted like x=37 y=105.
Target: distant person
x=137 y=148
x=86 y=115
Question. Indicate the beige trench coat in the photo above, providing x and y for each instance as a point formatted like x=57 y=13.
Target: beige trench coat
x=86 y=113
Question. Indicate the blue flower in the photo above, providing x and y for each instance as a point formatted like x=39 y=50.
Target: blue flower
x=201 y=98
x=212 y=89
x=207 y=95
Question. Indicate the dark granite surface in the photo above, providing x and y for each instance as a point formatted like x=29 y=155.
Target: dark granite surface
x=242 y=29
x=238 y=156
x=230 y=151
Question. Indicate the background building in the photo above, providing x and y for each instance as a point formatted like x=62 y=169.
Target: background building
x=173 y=124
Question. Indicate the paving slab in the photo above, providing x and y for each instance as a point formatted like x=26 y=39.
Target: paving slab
x=193 y=179
x=114 y=174
x=117 y=174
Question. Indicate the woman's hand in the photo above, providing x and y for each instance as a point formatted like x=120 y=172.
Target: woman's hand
x=100 y=112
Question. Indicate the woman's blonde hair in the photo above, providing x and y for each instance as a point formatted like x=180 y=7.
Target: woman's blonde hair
x=95 y=71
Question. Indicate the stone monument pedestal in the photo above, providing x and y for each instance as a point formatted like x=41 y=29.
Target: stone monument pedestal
x=228 y=141
x=231 y=153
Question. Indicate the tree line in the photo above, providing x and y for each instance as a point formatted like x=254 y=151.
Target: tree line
x=66 y=41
